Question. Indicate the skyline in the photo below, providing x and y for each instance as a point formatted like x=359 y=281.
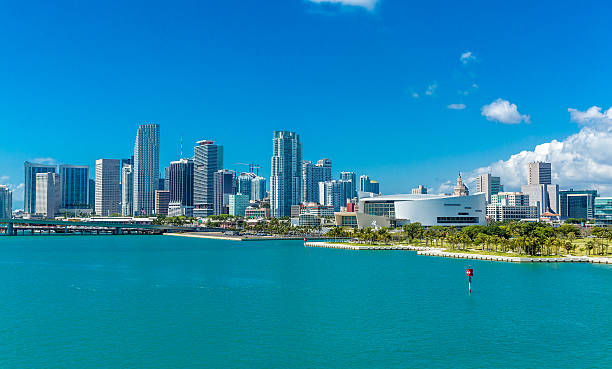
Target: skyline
x=345 y=78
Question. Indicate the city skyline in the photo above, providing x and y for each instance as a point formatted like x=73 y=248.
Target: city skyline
x=427 y=101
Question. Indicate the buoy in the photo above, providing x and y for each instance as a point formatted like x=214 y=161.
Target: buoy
x=469 y=272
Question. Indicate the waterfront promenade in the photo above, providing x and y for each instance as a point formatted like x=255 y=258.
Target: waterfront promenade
x=434 y=251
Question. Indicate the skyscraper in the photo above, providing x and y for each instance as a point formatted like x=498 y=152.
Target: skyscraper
x=577 y=203
x=48 y=194
x=146 y=168
x=352 y=178
x=488 y=184
x=29 y=195
x=127 y=190
x=162 y=202
x=181 y=188
x=312 y=175
x=258 y=188
x=245 y=184
x=6 y=202
x=334 y=193
x=223 y=187
x=75 y=189
x=286 y=174
x=539 y=173
x=207 y=160
x=108 y=197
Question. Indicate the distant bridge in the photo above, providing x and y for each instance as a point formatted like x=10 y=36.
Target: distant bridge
x=11 y=227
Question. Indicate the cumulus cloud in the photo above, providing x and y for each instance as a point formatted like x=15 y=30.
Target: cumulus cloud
x=367 y=4
x=456 y=106
x=49 y=161
x=467 y=57
x=504 y=112
x=580 y=161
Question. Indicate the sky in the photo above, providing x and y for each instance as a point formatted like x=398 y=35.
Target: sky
x=407 y=92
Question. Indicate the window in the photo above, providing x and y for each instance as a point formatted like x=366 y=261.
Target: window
x=463 y=213
x=462 y=220
x=452 y=204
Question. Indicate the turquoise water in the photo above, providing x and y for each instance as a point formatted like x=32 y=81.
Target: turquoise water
x=171 y=302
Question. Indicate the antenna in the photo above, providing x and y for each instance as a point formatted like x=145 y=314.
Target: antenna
x=181 y=147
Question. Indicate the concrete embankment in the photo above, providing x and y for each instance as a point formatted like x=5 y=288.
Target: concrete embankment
x=432 y=251
x=221 y=236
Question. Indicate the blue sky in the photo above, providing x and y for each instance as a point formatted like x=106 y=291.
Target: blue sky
x=368 y=85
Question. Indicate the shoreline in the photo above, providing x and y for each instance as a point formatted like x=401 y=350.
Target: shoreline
x=433 y=251
x=221 y=236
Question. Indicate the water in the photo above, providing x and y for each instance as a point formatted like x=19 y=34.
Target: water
x=171 y=302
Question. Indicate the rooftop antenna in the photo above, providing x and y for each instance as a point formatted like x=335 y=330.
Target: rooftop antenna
x=181 y=147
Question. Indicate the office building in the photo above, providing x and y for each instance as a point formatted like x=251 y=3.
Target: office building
x=334 y=193
x=91 y=197
x=257 y=213
x=351 y=180
x=107 y=195
x=514 y=206
x=489 y=185
x=577 y=204
x=245 y=184
x=6 y=202
x=223 y=187
x=207 y=160
x=162 y=202
x=258 y=188
x=181 y=188
x=29 y=195
x=127 y=190
x=421 y=190
x=238 y=204
x=545 y=197
x=510 y=199
x=539 y=173
x=75 y=189
x=317 y=210
x=146 y=169
x=286 y=173
x=312 y=175
x=48 y=194
x=602 y=211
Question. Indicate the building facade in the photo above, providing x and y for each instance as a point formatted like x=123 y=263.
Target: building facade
x=603 y=211
x=351 y=179
x=223 y=187
x=312 y=175
x=257 y=213
x=127 y=190
x=421 y=190
x=6 y=202
x=29 y=194
x=258 y=189
x=238 y=204
x=334 y=193
x=48 y=194
x=207 y=160
x=107 y=195
x=489 y=185
x=539 y=173
x=181 y=184
x=286 y=173
x=162 y=202
x=146 y=169
x=577 y=204
x=75 y=189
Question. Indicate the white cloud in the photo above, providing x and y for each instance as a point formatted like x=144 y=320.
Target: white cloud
x=467 y=57
x=431 y=89
x=4 y=179
x=504 y=112
x=415 y=95
x=368 y=4
x=456 y=106
x=592 y=115
x=581 y=161
x=49 y=161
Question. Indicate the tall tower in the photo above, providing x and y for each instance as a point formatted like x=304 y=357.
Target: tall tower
x=107 y=195
x=127 y=190
x=6 y=202
x=460 y=188
x=207 y=160
x=75 y=189
x=146 y=169
x=181 y=188
x=223 y=187
x=539 y=173
x=29 y=195
x=352 y=178
x=48 y=194
x=286 y=174
x=488 y=184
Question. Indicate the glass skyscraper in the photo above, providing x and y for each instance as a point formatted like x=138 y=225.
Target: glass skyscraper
x=312 y=175
x=146 y=169
x=207 y=160
x=75 y=187
x=29 y=195
x=181 y=188
x=286 y=174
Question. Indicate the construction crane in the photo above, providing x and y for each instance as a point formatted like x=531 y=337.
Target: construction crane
x=252 y=166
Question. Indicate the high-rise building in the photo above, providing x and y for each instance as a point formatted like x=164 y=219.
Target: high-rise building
x=352 y=179
x=162 y=202
x=29 y=195
x=146 y=168
x=490 y=185
x=6 y=202
x=238 y=204
x=286 y=174
x=75 y=189
x=334 y=193
x=312 y=175
x=91 y=196
x=207 y=159
x=577 y=204
x=421 y=190
x=545 y=197
x=511 y=206
x=166 y=179
x=245 y=184
x=258 y=188
x=108 y=197
x=602 y=209
x=364 y=183
x=539 y=173
x=223 y=187
x=181 y=188
x=48 y=194
x=127 y=190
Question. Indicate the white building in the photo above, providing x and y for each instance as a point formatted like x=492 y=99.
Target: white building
x=48 y=194
x=488 y=184
x=238 y=204
x=429 y=210
x=146 y=169
x=6 y=202
x=286 y=174
x=127 y=190
x=107 y=197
